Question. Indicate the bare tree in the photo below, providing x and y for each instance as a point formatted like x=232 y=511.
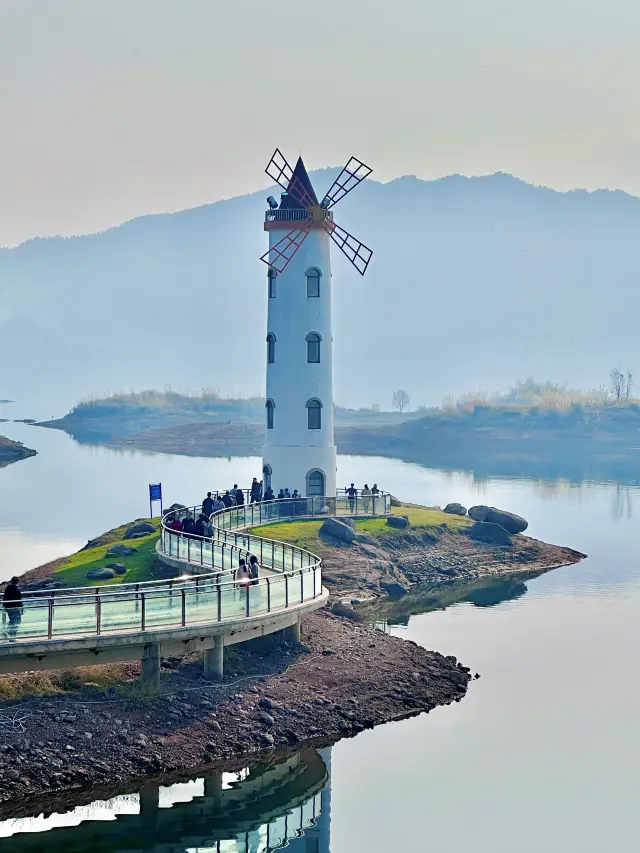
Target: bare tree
x=629 y=384
x=400 y=400
x=617 y=383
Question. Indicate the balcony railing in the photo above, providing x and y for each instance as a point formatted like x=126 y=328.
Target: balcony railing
x=290 y=215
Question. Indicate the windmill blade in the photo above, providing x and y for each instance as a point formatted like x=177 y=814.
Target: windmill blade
x=353 y=174
x=356 y=252
x=282 y=252
x=281 y=172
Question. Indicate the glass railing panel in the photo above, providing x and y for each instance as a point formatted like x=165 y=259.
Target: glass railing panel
x=29 y=621
x=234 y=602
x=163 y=610
x=120 y=613
x=74 y=617
x=277 y=587
x=307 y=582
x=278 y=832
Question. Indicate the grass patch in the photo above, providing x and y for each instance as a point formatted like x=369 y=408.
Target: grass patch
x=141 y=566
x=79 y=679
x=304 y=534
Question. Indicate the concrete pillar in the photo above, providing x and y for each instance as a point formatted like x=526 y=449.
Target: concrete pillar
x=149 y=800
x=150 y=673
x=292 y=633
x=214 y=660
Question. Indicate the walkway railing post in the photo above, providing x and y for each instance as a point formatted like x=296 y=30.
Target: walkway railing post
x=143 y=613
x=268 y=596
x=184 y=607
x=286 y=590
x=50 y=619
x=247 y=588
x=98 y=614
x=219 y=603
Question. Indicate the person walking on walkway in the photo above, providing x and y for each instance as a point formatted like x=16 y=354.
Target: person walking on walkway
x=243 y=575
x=255 y=491
x=207 y=505
x=239 y=497
x=12 y=602
x=254 y=568
x=227 y=500
x=218 y=504
x=352 y=492
x=366 y=495
x=375 y=491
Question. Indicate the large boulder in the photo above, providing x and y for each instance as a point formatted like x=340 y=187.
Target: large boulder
x=394 y=501
x=511 y=522
x=99 y=574
x=174 y=507
x=118 y=568
x=121 y=551
x=399 y=521
x=336 y=529
x=486 y=531
x=455 y=509
x=393 y=589
x=143 y=528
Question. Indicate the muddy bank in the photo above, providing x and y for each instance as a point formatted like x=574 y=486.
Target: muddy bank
x=13 y=451
x=345 y=677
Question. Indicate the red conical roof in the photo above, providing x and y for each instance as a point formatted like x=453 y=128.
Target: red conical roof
x=300 y=178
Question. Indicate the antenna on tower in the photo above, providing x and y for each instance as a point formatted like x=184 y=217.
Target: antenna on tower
x=279 y=170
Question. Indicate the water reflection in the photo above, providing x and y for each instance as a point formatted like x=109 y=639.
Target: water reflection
x=481 y=593
x=255 y=810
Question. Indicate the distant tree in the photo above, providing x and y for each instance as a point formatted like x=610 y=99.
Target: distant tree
x=629 y=384
x=617 y=383
x=375 y=407
x=400 y=400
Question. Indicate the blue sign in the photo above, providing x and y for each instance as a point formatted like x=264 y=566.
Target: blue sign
x=155 y=491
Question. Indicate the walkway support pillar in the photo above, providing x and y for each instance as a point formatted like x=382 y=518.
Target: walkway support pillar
x=213 y=787
x=292 y=633
x=214 y=660
x=150 y=673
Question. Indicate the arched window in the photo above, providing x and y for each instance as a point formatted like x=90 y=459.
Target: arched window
x=314 y=414
x=315 y=483
x=271 y=348
x=313 y=348
x=266 y=476
x=271 y=277
x=270 y=407
x=313 y=282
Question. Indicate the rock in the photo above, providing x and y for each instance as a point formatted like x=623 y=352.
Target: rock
x=337 y=530
x=345 y=611
x=100 y=574
x=394 y=501
x=349 y=522
x=399 y=521
x=121 y=551
x=118 y=568
x=455 y=509
x=485 y=531
x=365 y=539
x=265 y=718
x=143 y=528
x=174 y=507
x=393 y=589
x=511 y=522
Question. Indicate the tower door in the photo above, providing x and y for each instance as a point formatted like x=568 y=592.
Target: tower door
x=315 y=483
x=266 y=477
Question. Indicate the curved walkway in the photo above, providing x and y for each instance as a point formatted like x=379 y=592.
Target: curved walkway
x=187 y=613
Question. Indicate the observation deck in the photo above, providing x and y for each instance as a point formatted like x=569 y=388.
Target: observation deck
x=203 y=608
x=290 y=217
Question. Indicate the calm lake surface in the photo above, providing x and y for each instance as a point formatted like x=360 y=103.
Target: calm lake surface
x=541 y=755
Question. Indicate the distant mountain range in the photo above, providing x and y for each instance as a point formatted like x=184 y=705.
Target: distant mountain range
x=474 y=283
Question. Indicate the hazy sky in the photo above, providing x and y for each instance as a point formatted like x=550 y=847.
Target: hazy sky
x=114 y=108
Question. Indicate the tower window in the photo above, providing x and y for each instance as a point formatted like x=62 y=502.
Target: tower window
x=271 y=348
x=266 y=477
x=314 y=414
x=313 y=282
x=315 y=483
x=270 y=405
x=313 y=348
x=271 y=277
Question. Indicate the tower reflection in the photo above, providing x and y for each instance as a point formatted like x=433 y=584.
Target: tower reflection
x=259 y=809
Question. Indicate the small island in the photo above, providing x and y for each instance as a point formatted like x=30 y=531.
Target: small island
x=279 y=693
x=13 y=451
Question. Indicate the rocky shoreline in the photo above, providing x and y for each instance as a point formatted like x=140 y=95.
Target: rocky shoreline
x=343 y=678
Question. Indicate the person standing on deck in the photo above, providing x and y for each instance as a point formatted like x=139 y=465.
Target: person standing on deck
x=254 y=568
x=366 y=494
x=207 y=505
x=12 y=602
x=352 y=492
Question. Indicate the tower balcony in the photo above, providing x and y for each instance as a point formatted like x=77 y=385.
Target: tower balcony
x=288 y=217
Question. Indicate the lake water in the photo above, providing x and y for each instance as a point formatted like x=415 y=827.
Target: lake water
x=542 y=754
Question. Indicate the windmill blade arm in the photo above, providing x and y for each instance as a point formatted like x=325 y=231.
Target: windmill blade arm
x=355 y=251
x=353 y=174
x=282 y=252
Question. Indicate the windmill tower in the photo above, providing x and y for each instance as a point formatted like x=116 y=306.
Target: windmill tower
x=299 y=451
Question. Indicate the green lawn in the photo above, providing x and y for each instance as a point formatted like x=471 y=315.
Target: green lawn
x=304 y=534
x=141 y=566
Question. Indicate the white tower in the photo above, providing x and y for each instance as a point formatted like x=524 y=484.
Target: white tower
x=299 y=451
